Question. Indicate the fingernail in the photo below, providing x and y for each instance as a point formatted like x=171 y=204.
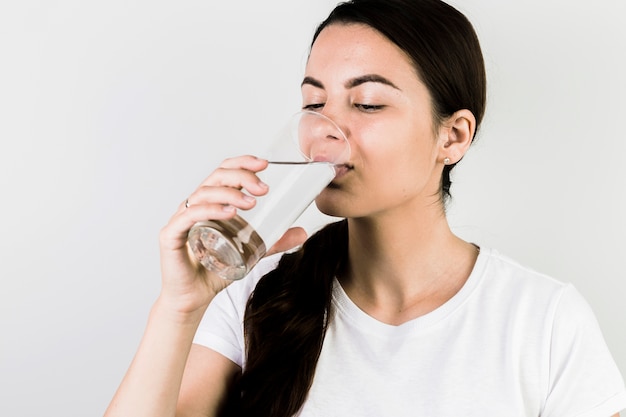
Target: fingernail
x=262 y=184
x=228 y=208
x=249 y=199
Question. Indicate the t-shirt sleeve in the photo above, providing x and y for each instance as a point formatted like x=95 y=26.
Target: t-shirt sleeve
x=584 y=379
x=221 y=328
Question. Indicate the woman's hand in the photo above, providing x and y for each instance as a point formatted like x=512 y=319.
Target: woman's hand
x=152 y=384
x=187 y=285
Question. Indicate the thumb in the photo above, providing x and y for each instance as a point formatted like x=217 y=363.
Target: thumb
x=292 y=238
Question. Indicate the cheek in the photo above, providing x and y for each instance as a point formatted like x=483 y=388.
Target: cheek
x=395 y=152
x=402 y=167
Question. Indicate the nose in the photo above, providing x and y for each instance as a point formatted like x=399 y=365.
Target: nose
x=336 y=117
x=321 y=139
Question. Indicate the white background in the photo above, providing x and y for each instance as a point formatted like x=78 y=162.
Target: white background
x=112 y=112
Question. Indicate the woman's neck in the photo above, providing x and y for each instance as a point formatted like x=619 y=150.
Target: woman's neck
x=400 y=270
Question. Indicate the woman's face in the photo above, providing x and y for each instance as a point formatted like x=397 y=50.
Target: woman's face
x=369 y=87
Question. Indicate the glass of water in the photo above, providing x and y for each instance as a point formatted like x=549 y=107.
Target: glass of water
x=303 y=160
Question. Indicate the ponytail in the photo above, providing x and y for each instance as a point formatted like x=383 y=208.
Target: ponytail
x=284 y=325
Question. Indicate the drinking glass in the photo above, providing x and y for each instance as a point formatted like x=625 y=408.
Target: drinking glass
x=303 y=159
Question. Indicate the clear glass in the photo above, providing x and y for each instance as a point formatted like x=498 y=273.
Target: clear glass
x=302 y=161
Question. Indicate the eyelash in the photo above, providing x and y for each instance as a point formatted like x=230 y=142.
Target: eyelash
x=368 y=108
x=314 y=106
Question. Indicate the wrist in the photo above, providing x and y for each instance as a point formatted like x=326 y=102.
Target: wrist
x=176 y=312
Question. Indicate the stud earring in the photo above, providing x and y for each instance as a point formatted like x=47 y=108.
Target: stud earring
x=446 y=161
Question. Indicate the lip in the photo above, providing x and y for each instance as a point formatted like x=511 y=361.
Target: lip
x=341 y=170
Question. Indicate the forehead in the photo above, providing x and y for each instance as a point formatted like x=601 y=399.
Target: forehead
x=348 y=50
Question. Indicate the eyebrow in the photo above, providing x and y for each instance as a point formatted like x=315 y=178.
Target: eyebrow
x=354 y=82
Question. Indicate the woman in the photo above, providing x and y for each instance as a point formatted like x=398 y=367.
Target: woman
x=386 y=313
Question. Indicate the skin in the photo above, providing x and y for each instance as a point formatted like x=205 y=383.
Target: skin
x=390 y=195
x=170 y=376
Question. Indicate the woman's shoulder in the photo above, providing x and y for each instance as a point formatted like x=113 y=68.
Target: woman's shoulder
x=506 y=284
x=502 y=270
x=518 y=294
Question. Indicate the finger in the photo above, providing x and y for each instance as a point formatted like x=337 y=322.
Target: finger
x=217 y=198
x=219 y=195
x=245 y=163
x=249 y=162
x=236 y=178
x=174 y=234
x=292 y=238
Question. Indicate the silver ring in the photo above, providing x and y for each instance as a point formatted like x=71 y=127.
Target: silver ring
x=187 y=203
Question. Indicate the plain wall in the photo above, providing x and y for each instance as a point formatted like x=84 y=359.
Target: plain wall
x=111 y=113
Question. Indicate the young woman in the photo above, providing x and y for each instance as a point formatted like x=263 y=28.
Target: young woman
x=385 y=313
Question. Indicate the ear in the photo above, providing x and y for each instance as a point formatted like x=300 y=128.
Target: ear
x=456 y=137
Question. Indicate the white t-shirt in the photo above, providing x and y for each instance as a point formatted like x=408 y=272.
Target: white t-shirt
x=512 y=342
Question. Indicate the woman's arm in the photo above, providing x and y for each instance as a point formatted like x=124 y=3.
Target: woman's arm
x=169 y=376
x=202 y=394
x=153 y=382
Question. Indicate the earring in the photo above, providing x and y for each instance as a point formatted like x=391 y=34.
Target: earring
x=446 y=161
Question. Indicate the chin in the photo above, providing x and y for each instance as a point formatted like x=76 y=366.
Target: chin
x=329 y=204
x=329 y=211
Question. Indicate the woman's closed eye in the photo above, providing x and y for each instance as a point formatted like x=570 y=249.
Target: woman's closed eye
x=313 y=106
x=369 y=108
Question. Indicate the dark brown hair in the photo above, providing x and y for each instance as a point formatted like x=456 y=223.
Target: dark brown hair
x=288 y=312
x=285 y=322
